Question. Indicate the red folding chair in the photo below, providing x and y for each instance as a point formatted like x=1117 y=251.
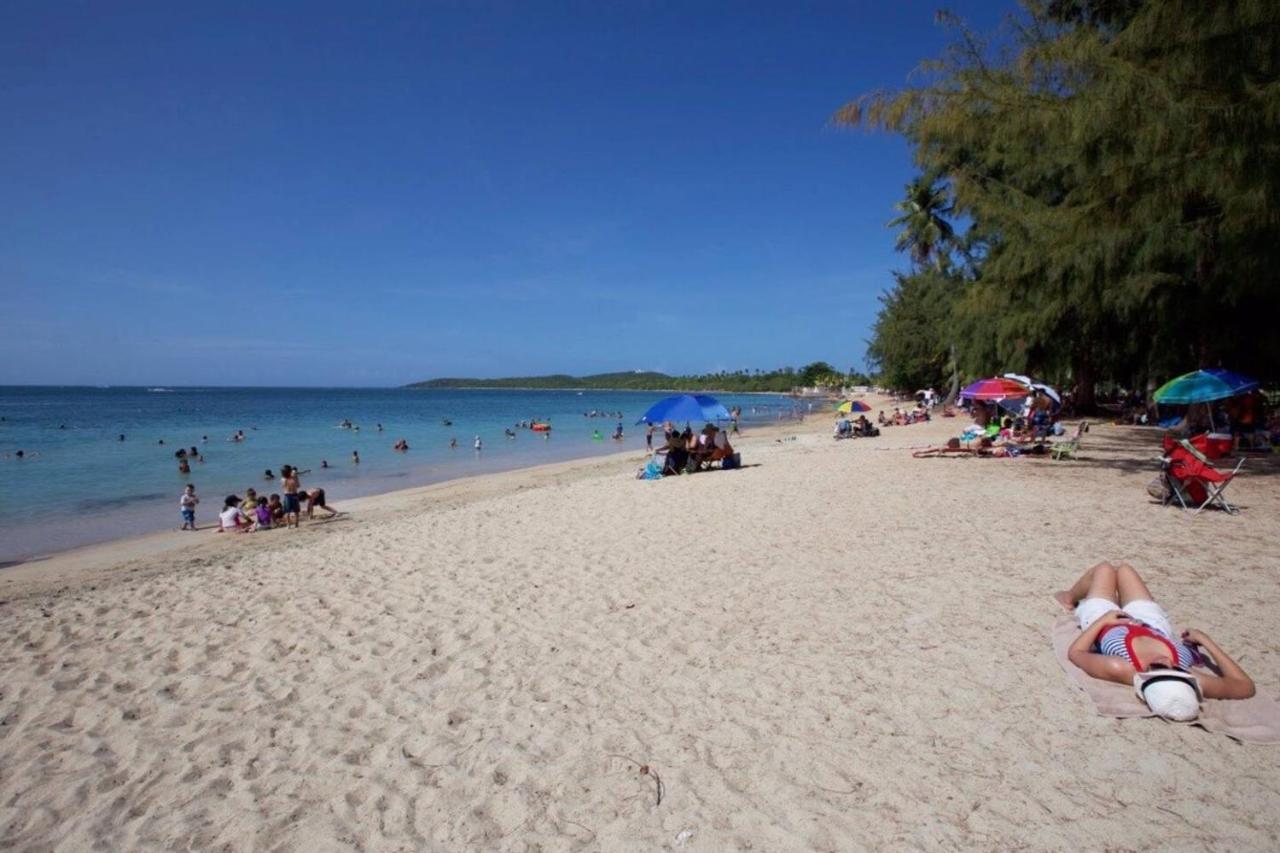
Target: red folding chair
x=1194 y=482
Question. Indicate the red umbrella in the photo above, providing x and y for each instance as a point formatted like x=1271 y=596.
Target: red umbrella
x=996 y=388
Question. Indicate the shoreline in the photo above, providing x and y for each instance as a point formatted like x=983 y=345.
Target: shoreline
x=113 y=489
x=61 y=565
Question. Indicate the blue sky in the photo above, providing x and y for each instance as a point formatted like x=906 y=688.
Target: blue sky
x=338 y=194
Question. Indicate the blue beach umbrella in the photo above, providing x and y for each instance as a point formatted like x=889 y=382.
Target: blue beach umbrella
x=1204 y=386
x=685 y=407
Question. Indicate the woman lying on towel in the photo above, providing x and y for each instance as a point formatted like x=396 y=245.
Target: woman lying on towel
x=1128 y=638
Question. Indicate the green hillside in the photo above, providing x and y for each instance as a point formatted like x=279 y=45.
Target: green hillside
x=780 y=380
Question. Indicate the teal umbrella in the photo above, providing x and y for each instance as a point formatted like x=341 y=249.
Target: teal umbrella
x=1204 y=386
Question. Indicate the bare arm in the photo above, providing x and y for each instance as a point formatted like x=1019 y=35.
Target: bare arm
x=1233 y=683
x=1105 y=667
x=1089 y=636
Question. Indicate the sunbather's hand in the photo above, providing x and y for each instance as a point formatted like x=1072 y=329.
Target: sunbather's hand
x=1195 y=637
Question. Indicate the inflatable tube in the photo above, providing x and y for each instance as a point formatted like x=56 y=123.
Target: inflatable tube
x=540 y=427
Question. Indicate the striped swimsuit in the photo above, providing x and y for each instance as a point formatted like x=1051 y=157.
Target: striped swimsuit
x=1117 y=641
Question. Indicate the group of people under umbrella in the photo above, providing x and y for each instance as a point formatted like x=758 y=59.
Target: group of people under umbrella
x=859 y=427
x=1220 y=409
x=686 y=451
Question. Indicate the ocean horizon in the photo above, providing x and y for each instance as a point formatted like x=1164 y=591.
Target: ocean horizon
x=77 y=483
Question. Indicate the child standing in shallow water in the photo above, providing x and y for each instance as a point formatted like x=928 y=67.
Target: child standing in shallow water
x=187 y=503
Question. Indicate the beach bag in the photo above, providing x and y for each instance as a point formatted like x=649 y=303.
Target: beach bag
x=1159 y=489
x=731 y=462
x=651 y=471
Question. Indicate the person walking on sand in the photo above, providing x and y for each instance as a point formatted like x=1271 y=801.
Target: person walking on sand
x=187 y=504
x=290 y=485
x=1127 y=638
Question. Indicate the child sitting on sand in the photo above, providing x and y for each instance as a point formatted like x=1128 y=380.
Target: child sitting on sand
x=262 y=515
x=231 y=518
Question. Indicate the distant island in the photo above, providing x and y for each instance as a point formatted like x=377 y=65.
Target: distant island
x=781 y=380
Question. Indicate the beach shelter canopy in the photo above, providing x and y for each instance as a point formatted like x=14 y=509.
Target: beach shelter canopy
x=685 y=407
x=853 y=406
x=996 y=388
x=1204 y=386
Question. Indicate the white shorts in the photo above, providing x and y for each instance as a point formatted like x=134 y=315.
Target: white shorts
x=1092 y=609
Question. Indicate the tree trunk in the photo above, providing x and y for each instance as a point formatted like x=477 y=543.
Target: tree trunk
x=953 y=390
x=1086 y=401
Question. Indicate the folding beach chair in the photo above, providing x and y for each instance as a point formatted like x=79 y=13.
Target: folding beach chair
x=1068 y=449
x=1194 y=482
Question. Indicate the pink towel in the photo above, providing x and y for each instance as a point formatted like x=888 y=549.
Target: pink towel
x=1254 y=720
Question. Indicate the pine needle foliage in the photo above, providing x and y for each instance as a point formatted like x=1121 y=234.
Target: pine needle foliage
x=1119 y=163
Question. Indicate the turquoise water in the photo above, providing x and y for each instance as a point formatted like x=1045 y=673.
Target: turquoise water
x=77 y=483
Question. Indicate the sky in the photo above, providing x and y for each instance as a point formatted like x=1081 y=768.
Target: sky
x=371 y=194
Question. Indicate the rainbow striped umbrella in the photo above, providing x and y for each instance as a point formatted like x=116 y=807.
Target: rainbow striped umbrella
x=995 y=388
x=853 y=406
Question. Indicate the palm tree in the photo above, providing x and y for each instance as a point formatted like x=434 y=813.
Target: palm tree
x=925 y=233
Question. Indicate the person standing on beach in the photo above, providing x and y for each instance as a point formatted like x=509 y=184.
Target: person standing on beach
x=187 y=504
x=648 y=437
x=290 y=485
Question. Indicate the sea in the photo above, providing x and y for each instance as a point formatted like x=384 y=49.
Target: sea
x=77 y=482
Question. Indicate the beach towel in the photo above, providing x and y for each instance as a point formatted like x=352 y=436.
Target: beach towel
x=1253 y=720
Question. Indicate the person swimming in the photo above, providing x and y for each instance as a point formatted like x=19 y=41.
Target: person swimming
x=267 y=475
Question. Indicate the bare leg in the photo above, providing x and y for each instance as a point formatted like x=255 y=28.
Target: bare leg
x=1131 y=586
x=1097 y=582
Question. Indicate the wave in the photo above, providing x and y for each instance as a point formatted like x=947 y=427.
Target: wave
x=92 y=504
x=160 y=390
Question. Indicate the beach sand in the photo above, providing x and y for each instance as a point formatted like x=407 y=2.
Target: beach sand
x=839 y=647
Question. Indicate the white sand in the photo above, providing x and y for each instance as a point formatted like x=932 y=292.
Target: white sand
x=841 y=648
